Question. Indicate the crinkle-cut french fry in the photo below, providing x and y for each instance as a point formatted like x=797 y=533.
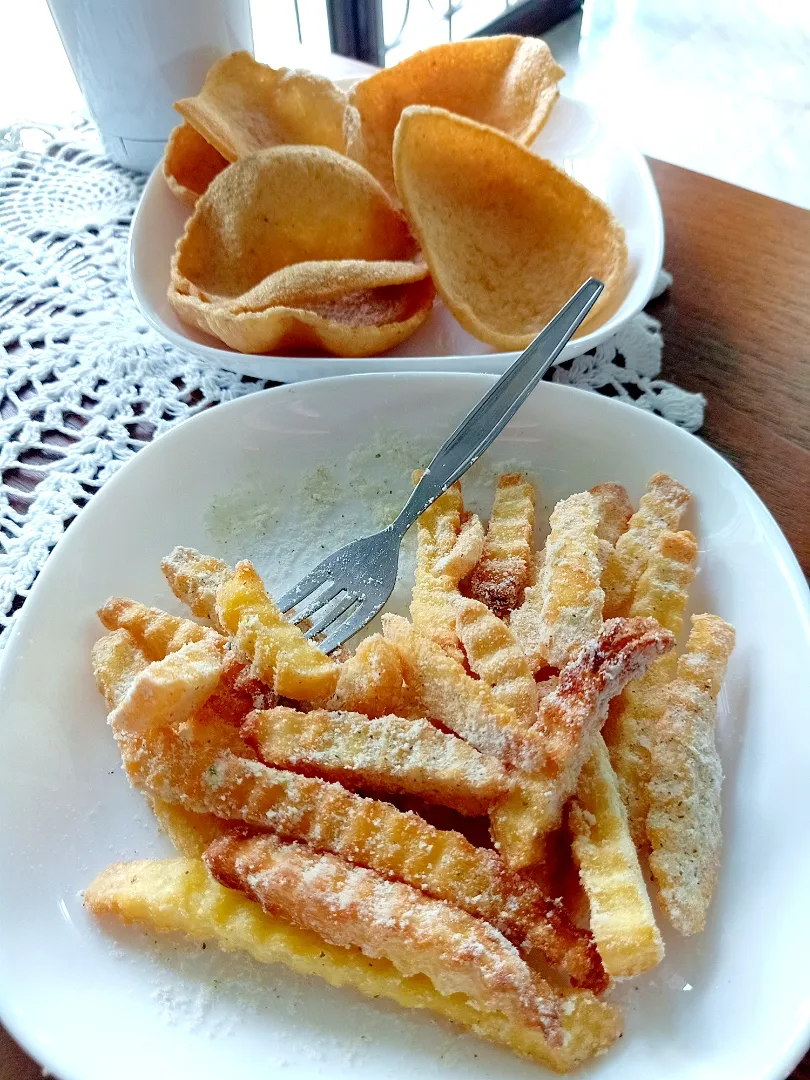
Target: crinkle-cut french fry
x=157 y=632
x=435 y=591
x=280 y=654
x=168 y=691
x=205 y=768
x=504 y=569
x=459 y=561
x=622 y=919
x=465 y=705
x=683 y=821
x=495 y=656
x=189 y=832
x=117 y=659
x=569 y=717
x=195 y=579
x=180 y=895
x=614 y=509
x=371 y=681
x=387 y=754
x=660 y=510
x=662 y=594
x=350 y=906
x=564 y=609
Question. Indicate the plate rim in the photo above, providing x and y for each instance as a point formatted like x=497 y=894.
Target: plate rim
x=218 y=354
x=26 y=1037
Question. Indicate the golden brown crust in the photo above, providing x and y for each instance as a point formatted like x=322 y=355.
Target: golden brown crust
x=494 y=656
x=505 y=567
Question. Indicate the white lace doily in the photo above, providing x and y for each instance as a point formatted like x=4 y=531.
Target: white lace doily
x=85 y=382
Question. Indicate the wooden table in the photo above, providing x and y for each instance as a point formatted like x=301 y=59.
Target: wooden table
x=737 y=327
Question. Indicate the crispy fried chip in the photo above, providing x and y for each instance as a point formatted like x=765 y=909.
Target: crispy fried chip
x=387 y=754
x=350 y=906
x=569 y=717
x=683 y=822
x=245 y=106
x=155 y=631
x=614 y=511
x=622 y=920
x=447 y=550
x=190 y=833
x=564 y=609
x=467 y=706
x=507 y=235
x=195 y=579
x=117 y=660
x=508 y=82
x=278 y=650
x=179 y=895
x=504 y=569
x=299 y=246
x=495 y=656
x=661 y=593
x=371 y=681
x=190 y=164
x=660 y=509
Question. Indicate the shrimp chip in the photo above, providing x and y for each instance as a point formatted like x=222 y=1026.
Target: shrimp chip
x=507 y=235
x=245 y=106
x=299 y=247
x=508 y=82
x=190 y=164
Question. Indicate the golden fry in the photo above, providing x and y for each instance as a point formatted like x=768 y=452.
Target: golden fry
x=564 y=610
x=190 y=833
x=683 y=821
x=349 y=906
x=179 y=895
x=614 y=509
x=661 y=593
x=195 y=579
x=155 y=631
x=387 y=754
x=370 y=680
x=621 y=915
x=466 y=706
x=660 y=510
x=504 y=569
x=117 y=660
x=497 y=659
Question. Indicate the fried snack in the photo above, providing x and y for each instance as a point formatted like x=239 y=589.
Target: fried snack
x=189 y=832
x=564 y=609
x=195 y=579
x=370 y=680
x=621 y=915
x=155 y=631
x=683 y=821
x=467 y=706
x=245 y=106
x=179 y=895
x=497 y=659
x=280 y=654
x=349 y=906
x=614 y=511
x=299 y=246
x=508 y=236
x=206 y=768
x=569 y=717
x=190 y=164
x=660 y=510
x=117 y=661
x=508 y=82
x=504 y=569
x=389 y=755
x=443 y=557
x=661 y=593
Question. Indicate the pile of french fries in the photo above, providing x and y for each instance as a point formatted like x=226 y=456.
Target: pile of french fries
x=462 y=814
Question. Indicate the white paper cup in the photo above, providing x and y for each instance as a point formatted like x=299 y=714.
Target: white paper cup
x=134 y=58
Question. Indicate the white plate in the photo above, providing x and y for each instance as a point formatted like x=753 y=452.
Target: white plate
x=732 y=1003
x=574 y=137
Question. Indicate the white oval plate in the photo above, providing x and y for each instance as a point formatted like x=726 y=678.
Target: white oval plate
x=298 y=466
x=574 y=138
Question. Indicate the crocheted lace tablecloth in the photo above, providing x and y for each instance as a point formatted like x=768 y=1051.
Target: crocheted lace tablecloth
x=85 y=382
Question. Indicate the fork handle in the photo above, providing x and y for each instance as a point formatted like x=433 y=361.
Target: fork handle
x=489 y=417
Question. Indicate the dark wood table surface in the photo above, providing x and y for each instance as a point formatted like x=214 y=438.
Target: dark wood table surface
x=737 y=328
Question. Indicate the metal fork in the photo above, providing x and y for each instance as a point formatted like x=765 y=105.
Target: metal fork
x=349 y=587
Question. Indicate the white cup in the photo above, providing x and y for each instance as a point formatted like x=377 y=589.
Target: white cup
x=134 y=58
